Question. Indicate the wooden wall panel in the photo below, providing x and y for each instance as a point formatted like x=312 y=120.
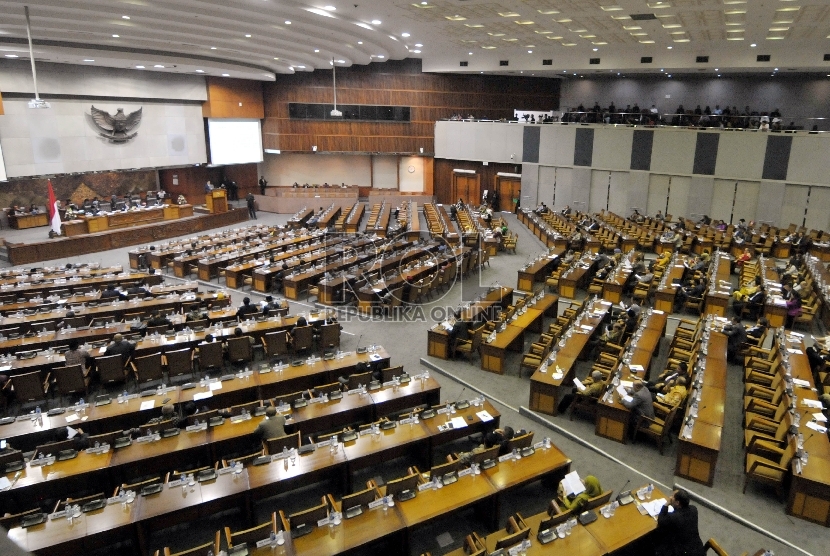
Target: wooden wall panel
x=192 y=180
x=225 y=96
x=443 y=176
x=1 y=104
x=397 y=83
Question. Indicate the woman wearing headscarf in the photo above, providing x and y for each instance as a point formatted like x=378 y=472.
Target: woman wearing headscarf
x=578 y=502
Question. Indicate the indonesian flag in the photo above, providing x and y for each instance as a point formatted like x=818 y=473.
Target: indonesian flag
x=54 y=215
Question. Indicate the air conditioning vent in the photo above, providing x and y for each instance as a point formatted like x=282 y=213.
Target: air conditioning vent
x=504 y=62
x=827 y=57
x=547 y=62
x=645 y=60
x=642 y=17
x=766 y=58
x=463 y=64
x=594 y=61
x=702 y=59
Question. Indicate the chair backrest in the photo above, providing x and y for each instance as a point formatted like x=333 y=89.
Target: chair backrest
x=249 y=407
x=13 y=520
x=326 y=388
x=443 y=469
x=155 y=427
x=303 y=337
x=211 y=355
x=519 y=442
x=148 y=367
x=513 y=538
x=105 y=438
x=201 y=550
x=713 y=545
x=53 y=448
x=276 y=343
x=252 y=535
x=389 y=373
x=202 y=416
x=28 y=387
x=288 y=398
x=110 y=369
x=275 y=445
x=70 y=379
x=359 y=379
x=179 y=362
x=310 y=516
x=598 y=500
x=330 y=335
x=239 y=349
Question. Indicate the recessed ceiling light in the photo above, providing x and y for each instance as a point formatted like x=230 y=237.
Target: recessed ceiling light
x=530 y=52
x=200 y=71
x=275 y=58
x=380 y=56
x=226 y=75
x=89 y=60
x=416 y=51
x=316 y=50
x=405 y=35
x=158 y=66
x=418 y=45
x=776 y=69
x=753 y=45
x=213 y=48
x=288 y=23
x=301 y=67
x=140 y=67
x=247 y=36
x=125 y=17
x=12 y=56
x=376 y=22
x=595 y=49
x=359 y=42
x=669 y=47
x=115 y=36
x=329 y=8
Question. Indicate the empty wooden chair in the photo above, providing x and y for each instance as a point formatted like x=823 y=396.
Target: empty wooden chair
x=179 y=362
x=147 y=368
x=72 y=380
x=111 y=369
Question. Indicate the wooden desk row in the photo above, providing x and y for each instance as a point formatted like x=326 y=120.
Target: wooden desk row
x=538 y=270
x=219 y=442
x=78 y=283
x=175 y=505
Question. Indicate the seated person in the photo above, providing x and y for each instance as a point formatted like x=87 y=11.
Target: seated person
x=755 y=303
x=758 y=330
x=156 y=319
x=576 y=502
x=76 y=355
x=196 y=314
x=110 y=292
x=747 y=289
x=246 y=309
x=669 y=375
x=594 y=385
x=639 y=402
x=491 y=439
x=674 y=393
x=120 y=346
x=237 y=333
x=273 y=426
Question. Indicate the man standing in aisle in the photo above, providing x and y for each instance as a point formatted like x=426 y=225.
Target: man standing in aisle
x=251 y=205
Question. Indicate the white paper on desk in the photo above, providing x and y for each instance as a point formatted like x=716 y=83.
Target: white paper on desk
x=71 y=433
x=484 y=415
x=795 y=351
x=202 y=396
x=657 y=312
x=572 y=485
x=102 y=351
x=215 y=385
x=654 y=506
x=578 y=384
x=625 y=384
x=458 y=422
x=820 y=417
x=4 y=483
x=816 y=427
x=149 y=404
x=70 y=418
x=801 y=382
x=5 y=368
x=815 y=404
x=636 y=368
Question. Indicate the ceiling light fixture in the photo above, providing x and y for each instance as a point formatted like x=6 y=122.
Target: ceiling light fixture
x=140 y=67
x=376 y=22
x=200 y=71
x=158 y=66
x=418 y=51
x=418 y=45
x=89 y=60
x=288 y=23
x=115 y=36
x=405 y=35
x=213 y=48
x=125 y=17
x=226 y=75
x=247 y=36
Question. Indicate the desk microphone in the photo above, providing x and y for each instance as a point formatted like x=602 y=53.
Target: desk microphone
x=358 y=341
x=459 y=395
x=624 y=496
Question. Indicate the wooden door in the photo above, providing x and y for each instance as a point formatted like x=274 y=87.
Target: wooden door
x=509 y=188
x=467 y=187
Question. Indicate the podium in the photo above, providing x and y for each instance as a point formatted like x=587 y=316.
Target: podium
x=216 y=201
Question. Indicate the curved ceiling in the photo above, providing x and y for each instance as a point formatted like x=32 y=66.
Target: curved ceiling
x=256 y=39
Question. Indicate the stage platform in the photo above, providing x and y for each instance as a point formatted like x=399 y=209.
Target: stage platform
x=33 y=245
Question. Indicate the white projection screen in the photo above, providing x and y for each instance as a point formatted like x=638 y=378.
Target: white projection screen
x=234 y=141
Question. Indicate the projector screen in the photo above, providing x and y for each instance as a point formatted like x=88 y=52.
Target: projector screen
x=234 y=141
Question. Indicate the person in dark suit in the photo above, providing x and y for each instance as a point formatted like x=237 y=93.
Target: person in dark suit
x=157 y=320
x=246 y=309
x=736 y=334
x=111 y=292
x=273 y=426
x=678 y=531
x=120 y=346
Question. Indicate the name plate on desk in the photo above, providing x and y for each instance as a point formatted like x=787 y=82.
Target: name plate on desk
x=465 y=472
x=224 y=470
x=199 y=427
x=443 y=410
x=148 y=438
x=506 y=457
x=42 y=461
x=424 y=486
x=57 y=515
x=323 y=522
x=99 y=450
x=406 y=421
x=176 y=483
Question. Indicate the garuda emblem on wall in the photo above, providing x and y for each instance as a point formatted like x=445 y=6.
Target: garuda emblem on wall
x=116 y=128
